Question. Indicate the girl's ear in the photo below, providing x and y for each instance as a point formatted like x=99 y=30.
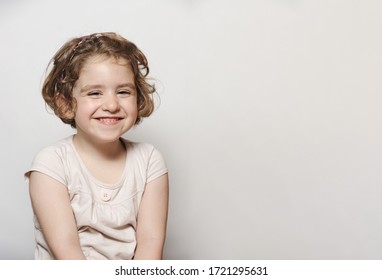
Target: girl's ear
x=65 y=108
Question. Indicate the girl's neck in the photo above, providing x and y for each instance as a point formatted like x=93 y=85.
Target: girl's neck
x=105 y=161
x=107 y=151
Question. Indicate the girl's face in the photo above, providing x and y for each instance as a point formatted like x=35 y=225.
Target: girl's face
x=106 y=99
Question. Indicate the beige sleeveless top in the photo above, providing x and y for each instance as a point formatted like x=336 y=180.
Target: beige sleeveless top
x=105 y=214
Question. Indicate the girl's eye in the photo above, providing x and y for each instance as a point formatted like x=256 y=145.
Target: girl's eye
x=94 y=93
x=124 y=93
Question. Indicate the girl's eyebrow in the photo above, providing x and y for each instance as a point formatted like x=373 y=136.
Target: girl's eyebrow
x=95 y=86
x=130 y=85
x=89 y=87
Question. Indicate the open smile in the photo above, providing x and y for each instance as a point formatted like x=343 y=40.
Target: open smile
x=109 y=120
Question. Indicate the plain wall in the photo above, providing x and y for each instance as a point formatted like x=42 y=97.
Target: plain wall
x=270 y=120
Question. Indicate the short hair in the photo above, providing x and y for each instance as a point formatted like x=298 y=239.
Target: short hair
x=69 y=60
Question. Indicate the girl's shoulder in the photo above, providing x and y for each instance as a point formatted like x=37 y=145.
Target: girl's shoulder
x=138 y=147
x=146 y=157
x=53 y=160
x=142 y=150
x=58 y=148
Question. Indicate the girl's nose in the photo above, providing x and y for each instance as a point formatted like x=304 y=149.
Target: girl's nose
x=110 y=103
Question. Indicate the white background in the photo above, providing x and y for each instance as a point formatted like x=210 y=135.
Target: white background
x=270 y=119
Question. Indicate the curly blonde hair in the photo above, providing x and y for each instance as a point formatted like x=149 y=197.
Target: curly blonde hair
x=71 y=57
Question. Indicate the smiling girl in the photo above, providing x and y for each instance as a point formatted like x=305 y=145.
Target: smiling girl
x=94 y=194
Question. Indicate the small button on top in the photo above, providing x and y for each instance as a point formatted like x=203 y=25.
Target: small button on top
x=105 y=195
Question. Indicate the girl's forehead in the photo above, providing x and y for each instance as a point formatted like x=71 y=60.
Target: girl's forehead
x=105 y=69
x=97 y=61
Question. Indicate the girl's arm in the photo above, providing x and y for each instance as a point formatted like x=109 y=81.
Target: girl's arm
x=51 y=205
x=152 y=220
